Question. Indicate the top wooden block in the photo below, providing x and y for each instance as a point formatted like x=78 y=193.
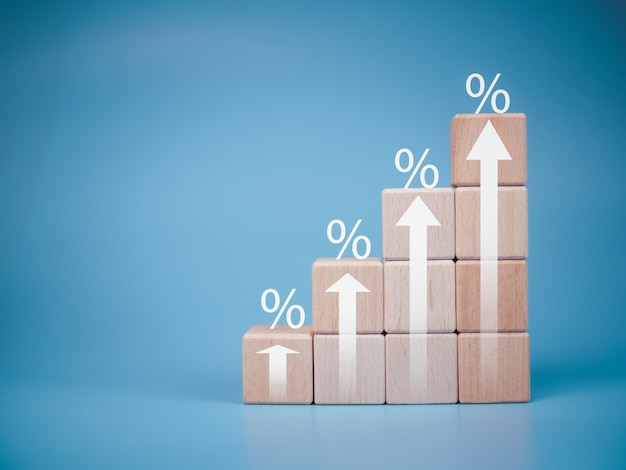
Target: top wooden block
x=362 y=290
x=260 y=353
x=464 y=131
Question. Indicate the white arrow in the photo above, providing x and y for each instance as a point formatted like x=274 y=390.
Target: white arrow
x=347 y=288
x=489 y=149
x=278 y=371
x=418 y=218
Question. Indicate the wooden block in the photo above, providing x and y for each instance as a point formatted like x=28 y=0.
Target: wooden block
x=367 y=273
x=273 y=374
x=512 y=295
x=494 y=367
x=464 y=131
x=512 y=222
x=344 y=379
x=440 y=293
x=421 y=368
x=395 y=202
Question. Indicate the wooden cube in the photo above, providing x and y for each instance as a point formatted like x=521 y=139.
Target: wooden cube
x=396 y=238
x=512 y=222
x=421 y=368
x=440 y=294
x=512 y=296
x=464 y=132
x=349 y=369
x=494 y=367
x=278 y=365
x=347 y=291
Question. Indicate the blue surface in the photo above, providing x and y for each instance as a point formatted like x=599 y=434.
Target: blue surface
x=161 y=164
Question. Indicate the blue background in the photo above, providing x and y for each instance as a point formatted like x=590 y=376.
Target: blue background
x=161 y=164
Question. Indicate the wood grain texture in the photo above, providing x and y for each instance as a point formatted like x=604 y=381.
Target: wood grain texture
x=512 y=222
x=370 y=370
x=464 y=131
x=395 y=202
x=369 y=305
x=441 y=296
x=512 y=295
x=440 y=377
x=256 y=366
x=503 y=376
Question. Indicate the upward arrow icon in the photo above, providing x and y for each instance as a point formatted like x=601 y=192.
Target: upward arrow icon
x=347 y=287
x=418 y=218
x=489 y=150
x=278 y=371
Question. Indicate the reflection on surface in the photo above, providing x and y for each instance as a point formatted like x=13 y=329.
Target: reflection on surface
x=434 y=436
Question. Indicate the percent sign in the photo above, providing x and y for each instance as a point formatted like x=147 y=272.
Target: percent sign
x=481 y=92
x=277 y=304
x=410 y=166
x=346 y=240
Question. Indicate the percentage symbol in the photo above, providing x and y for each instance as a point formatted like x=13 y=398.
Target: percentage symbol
x=346 y=240
x=410 y=166
x=276 y=305
x=481 y=92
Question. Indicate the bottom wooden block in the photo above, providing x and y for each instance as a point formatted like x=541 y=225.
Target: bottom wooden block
x=494 y=367
x=349 y=369
x=277 y=365
x=421 y=368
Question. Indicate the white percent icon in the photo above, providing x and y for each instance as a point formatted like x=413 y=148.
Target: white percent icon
x=411 y=166
x=481 y=92
x=276 y=304
x=346 y=240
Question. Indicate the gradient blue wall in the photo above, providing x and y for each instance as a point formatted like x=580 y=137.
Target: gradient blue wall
x=161 y=164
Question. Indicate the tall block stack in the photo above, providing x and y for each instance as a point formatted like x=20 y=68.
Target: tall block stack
x=489 y=170
x=443 y=317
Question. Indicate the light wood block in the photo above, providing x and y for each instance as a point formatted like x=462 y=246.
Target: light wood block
x=512 y=295
x=440 y=202
x=494 y=367
x=262 y=385
x=440 y=293
x=421 y=368
x=512 y=222
x=364 y=381
x=464 y=131
x=369 y=305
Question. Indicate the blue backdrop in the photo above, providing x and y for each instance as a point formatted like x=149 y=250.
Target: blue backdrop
x=161 y=164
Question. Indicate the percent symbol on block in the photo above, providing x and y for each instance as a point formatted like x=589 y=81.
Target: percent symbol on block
x=346 y=240
x=481 y=92
x=277 y=305
x=411 y=166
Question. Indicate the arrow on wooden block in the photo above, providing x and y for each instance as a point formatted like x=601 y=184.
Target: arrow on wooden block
x=347 y=287
x=278 y=371
x=489 y=150
x=418 y=218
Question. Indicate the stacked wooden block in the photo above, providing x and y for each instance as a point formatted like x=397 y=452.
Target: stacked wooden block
x=426 y=325
x=420 y=322
x=493 y=343
x=348 y=346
